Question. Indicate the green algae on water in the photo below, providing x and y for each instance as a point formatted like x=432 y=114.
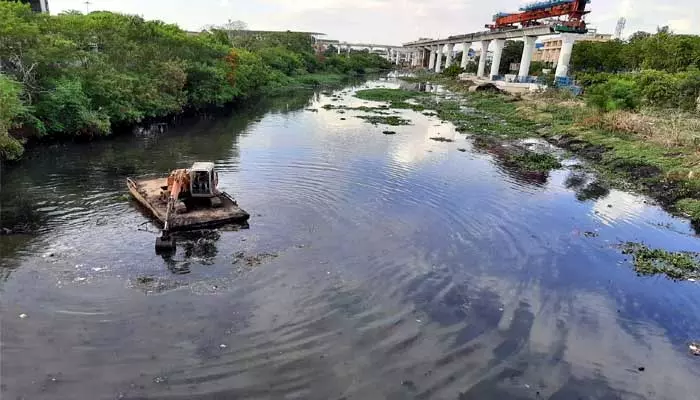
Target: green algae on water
x=392 y=120
x=675 y=265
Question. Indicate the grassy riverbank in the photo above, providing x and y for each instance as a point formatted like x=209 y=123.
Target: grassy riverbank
x=72 y=76
x=652 y=152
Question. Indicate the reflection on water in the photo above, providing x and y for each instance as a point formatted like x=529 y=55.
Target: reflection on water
x=377 y=267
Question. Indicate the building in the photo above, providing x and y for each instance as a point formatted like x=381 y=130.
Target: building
x=38 y=5
x=548 y=51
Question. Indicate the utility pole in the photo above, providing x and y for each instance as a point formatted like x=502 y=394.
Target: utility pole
x=87 y=7
x=620 y=27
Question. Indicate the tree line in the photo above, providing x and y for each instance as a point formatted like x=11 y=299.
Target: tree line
x=659 y=70
x=75 y=75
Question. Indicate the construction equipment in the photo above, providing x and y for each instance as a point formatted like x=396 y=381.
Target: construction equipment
x=187 y=199
x=533 y=14
x=187 y=188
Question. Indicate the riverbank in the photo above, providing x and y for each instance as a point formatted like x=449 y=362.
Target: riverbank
x=85 y=76
x=651 y=151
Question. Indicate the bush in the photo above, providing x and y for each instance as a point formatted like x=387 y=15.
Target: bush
x=472 y=67
x=659 y=88
x=282 y=60
x=615 y=94
x=11 y=111
x=452 y=71
x=587 y=79
x=67 y=110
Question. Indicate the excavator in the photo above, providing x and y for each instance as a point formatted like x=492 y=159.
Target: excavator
x=186 y=189
x=187 y=199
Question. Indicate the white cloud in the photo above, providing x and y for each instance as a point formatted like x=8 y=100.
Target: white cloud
x=386 y=21
x=684 y=25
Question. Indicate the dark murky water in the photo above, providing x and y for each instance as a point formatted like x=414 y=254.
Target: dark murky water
x=379 y=267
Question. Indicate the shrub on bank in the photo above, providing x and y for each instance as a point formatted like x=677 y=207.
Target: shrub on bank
x=615 y=94
x=452 y=71
x=11 y=111
x=654 y=88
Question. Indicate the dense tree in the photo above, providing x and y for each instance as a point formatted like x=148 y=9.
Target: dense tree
x=598 y=56
x=663 y=51
x=81 y=75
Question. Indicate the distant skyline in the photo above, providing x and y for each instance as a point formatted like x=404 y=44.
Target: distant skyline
x=384 y=21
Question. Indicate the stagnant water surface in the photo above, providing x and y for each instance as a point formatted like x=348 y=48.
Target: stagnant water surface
x=375 y=267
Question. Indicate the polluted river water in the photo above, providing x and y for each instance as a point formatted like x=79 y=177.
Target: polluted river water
x=375 y=266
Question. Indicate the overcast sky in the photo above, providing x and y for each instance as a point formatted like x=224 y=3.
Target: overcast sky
x=386 y=21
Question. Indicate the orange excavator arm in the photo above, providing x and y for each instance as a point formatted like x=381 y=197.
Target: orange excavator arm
x=178 y=180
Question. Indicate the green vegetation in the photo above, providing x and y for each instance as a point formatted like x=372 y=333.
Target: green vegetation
x=689 y=207
x=657 y=70
x=390 y=95
x=11 y=112
x=675 y=265
x=533 y=162
x=397 y=98
x=452 y=71
x=392 y=120
x=615 y=94
x=662 y=51
x=73 y=75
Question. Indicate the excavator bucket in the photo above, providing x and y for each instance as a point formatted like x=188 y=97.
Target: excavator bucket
x=165 y=244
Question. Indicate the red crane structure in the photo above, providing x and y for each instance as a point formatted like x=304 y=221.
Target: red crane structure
x=533 y=14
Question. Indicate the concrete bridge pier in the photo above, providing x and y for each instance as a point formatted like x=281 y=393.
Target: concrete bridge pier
x=497 y=53
x=526 y=60
x=481 y=72
x=433 y=56
x=450 y=49
x=567 y=45
x=465 y=54
x=438 y=61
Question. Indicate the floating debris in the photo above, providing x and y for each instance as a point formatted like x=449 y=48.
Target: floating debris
x=23 y=316
x=144 y=279
x=392 y=120
x=252 y=260
x=442 y=139
x=694 y=348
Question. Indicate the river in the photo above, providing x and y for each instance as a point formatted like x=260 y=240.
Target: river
x=374 y=267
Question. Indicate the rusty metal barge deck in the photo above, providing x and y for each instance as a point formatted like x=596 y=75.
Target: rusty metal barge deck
x=148 y=193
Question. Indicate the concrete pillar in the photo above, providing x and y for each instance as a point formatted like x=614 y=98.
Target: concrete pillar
x=398 y=58
x=450 y=49
x=482 y=58
x=567 y=45
x=465 y=54
x=438 y=60
x=431 y=63
x=526 y=59
x=497 y=53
